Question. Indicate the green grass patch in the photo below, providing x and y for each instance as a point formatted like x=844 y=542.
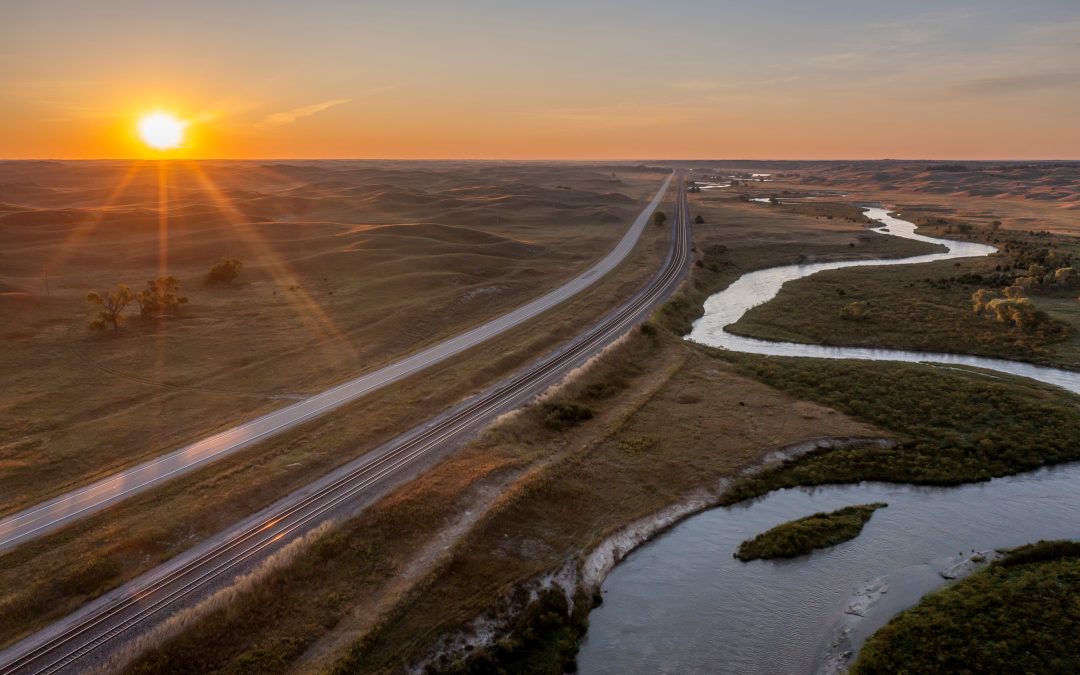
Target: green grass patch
x=1019 y=615
x=799 y=537
x=953 y=426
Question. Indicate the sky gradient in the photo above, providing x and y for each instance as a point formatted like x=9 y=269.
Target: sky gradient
x=544 y=80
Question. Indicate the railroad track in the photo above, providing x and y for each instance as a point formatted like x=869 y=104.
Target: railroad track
x=83 y=639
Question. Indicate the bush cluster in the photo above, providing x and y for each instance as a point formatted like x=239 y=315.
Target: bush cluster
x=560 y=416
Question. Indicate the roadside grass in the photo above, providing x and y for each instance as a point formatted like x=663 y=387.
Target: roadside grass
x=955 y=426
x=50 y=577
x=549 y=511
x=799 y=537
x=335 y=283
x=1019 y=615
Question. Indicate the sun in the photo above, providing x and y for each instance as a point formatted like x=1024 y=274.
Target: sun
x=162 y=131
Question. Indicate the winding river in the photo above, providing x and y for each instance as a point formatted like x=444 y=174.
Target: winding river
x=681 y=603
x=755 y=288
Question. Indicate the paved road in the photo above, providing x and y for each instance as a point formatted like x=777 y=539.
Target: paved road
x=55 y=513
x=82 y=640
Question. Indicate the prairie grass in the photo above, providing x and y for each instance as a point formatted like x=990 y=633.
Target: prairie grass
x=336 y=281
x=49 y=577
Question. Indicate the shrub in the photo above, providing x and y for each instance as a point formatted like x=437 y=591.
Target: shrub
x=224 y=272
x=562 y=416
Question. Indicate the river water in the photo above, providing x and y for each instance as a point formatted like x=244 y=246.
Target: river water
x=682 y=603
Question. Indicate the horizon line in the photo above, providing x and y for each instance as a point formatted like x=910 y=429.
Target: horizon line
x=543 y=159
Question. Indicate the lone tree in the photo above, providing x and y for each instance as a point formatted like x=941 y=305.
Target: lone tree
x=161 y=295
x=659 y=218
x=112 y=306
x=700 y=220
x=224 y=272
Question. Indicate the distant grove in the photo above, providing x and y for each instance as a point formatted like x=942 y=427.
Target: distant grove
x=160 y=298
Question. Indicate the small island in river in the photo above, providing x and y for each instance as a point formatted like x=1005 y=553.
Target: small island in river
x=799 y=537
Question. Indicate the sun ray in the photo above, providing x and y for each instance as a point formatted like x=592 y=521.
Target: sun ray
x=81 y=232
x=320 y=324
x=163 y=218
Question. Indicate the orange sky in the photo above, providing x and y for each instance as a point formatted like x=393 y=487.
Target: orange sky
x=618 y=80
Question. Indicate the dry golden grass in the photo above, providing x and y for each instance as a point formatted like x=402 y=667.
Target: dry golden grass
x=347 y=265
x=46 y=579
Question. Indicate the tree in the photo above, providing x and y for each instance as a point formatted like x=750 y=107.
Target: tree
x=775 y=201
x=160 y=296
x=699 y=220
x=659 y=218
x=1065 y=277
x=1015 y=308
x=224 y=272
x=980 y=298
x=1017 y=311
x=112 y=306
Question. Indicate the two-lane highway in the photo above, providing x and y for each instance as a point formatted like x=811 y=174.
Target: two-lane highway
x=55 y=513
x=89 y=635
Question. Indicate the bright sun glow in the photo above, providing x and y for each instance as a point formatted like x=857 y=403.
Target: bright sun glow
x=161 y=131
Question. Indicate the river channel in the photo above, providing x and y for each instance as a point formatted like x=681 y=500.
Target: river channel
x=681 y=603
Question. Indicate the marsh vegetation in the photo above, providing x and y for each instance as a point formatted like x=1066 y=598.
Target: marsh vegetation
x=1019 y=615
x=954 y=426
x=799 y=537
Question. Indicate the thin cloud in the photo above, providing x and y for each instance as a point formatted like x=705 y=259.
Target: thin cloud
x=613 y=118
x=696 y=85
x=1019 y=83
x=290 y=116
